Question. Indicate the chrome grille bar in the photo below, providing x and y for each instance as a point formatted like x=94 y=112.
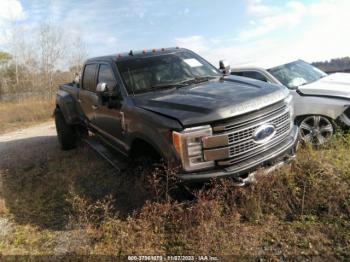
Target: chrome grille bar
x=237 y=144
x=240 y=135
x=232 y=161
x=238 y=149
x=247 y=133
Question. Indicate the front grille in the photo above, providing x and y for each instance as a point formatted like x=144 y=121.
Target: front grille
x=239 y=133
x=247 y=133
x=255 y=150
x=244 y=143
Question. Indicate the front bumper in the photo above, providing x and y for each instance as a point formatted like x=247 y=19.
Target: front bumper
x=271 y=158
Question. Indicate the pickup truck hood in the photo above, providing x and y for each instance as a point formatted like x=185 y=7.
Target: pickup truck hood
x=211 y=101
x=335 y=85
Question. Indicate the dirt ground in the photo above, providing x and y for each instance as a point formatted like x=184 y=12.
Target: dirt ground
x=37 y=177
x=23 y=137
x=30 y=143
x=43 y=134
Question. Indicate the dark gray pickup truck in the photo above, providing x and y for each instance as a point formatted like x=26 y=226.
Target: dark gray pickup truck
x=173 y=104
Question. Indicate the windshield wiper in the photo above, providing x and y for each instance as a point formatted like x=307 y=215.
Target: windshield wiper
x=194 y=80
x=206 y=78
x=165 y=86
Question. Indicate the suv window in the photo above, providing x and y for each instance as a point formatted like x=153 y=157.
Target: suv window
x=106 y=75
x=89 y=77
x=251 y=74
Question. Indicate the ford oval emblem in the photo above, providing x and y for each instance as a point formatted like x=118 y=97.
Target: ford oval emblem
x=264 y=133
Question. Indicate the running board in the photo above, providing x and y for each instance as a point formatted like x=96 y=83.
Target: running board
x=112 y=158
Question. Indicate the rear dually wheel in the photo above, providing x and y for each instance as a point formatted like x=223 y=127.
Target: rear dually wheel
x=66 y=134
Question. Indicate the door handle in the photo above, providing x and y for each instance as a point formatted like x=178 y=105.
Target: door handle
x=94 y=107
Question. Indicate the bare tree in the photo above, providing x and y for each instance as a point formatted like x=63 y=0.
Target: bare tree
x=4 y=61
x=51 y=52
x=17 y=46
x=38 y=61
x=78 y=54
x=25 y=62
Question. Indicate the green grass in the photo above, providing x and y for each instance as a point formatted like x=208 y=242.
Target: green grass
x=53 y=198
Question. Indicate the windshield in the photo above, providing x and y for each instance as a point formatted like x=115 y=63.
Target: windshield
x=164 y=71
x=296 y=74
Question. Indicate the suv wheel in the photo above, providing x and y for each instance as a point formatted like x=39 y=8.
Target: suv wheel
x=66 y=133
x=316 y=129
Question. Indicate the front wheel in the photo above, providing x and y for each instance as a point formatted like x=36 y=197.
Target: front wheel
x=66 y=134
x=316 y=129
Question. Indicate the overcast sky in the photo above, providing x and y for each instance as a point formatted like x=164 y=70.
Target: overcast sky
x=241 y=31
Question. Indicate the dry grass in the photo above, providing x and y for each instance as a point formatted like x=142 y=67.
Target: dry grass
x=14 y=115
x=74 y=203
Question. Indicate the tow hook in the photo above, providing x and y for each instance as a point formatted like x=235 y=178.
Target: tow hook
x=250 y=179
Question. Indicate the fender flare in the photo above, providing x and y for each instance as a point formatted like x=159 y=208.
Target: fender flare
x=67 y=104
x=165 y=154
x=138 y=136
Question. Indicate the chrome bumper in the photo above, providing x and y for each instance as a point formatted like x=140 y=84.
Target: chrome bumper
x=274 y=156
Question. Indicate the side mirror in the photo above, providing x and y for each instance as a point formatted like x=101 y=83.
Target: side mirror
x=76 y=80
x=101 y=88
x=224 y=67
x=108 y=95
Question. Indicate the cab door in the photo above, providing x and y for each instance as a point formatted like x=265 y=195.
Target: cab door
x=110 y=120
x=88 y=98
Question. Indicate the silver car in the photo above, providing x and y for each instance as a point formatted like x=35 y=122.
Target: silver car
x=321 y=101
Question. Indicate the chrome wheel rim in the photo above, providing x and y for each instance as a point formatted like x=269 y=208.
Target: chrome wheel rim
x=316 y=130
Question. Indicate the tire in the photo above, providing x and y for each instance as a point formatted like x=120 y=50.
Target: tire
x=316 y=129
x=82 y=132
x=66 y=134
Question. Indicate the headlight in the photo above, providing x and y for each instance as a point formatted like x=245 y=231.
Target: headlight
x=290 y=104
x=188 y=144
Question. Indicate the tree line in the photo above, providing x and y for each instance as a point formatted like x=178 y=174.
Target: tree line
x=37 y=61
x=334 y=65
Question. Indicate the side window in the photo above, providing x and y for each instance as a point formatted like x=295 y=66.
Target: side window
x=237 y=73
x=106 y=75
x=89 y=77
x=254 y=75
